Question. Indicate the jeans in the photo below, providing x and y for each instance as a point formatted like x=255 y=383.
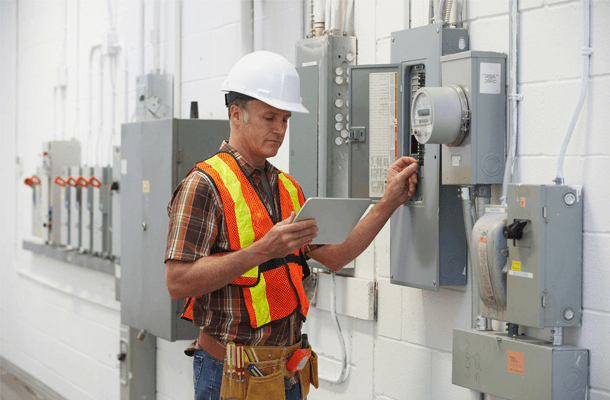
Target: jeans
x=207 y=378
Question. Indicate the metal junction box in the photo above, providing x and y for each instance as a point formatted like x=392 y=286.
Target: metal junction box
x=318 y=148
x=75 y=208
x=428 y=244
x=138 y=365
x=86 y=239
x=518 y=369
x=154 y=94
x=544 y=282
x=102 y=211
x=66 y=204
x=481 y=157
x=55 y=155
x=155 y=157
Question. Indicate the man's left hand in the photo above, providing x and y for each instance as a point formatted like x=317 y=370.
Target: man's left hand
x=402 y=181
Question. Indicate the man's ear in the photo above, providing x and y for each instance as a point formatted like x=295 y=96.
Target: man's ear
x=235 y=113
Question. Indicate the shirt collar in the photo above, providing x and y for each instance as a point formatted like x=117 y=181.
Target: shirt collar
x=248 y=168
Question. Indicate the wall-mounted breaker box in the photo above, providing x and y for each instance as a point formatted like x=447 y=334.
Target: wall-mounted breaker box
x=138 y=365
x=65 y=194
x=319 y=149
x=115 y=187
x=519 y=368
x=155 y=157
x=154 y=94
x=86 y=240
x=428 y=246
x=55 y=155
x=102 y=211
x=40 y=205
x=75 y=208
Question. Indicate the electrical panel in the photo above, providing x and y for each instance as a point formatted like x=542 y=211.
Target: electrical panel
x=65 y=195
x=154 y=94
x=319 y=143
x=75 y=209
x=86 y=240
x=138 y=369
x=115 y=231
x=519 y=369
x=155 y=157
x=102 y=210
x=428 y=247
x=55 y=156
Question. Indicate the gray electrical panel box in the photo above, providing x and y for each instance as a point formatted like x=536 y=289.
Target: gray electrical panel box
x=155 y=157
x=115 y=186
x=522 y=368
x=86 y=238
x=544 y=282
x=154 y=94
x=56 y=154
x=480 y=158
x=75 y=208
x=138 y=365
x=102 y=211
x=319 y=150
x=66 y=204
x=428 y=247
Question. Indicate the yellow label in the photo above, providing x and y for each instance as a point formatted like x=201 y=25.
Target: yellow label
x=145 y=186
x=515 y=362
x=516 y=266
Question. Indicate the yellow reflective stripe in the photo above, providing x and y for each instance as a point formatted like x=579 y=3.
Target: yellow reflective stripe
x=292 y=191
x=253 y=273
x=242 y=211
x=260 y=304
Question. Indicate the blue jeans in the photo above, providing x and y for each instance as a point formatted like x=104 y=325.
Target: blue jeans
x=207 y=378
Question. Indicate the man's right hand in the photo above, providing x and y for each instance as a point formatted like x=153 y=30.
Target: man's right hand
x=287 y=237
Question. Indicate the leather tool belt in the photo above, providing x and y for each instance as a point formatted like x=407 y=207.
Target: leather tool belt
x=263 y=379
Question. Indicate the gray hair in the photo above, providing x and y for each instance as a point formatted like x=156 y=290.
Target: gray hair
x=243 y=104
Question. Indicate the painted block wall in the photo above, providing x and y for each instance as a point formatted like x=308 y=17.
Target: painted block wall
x=61 y=323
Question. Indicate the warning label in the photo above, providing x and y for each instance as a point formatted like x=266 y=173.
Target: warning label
x=515 y=362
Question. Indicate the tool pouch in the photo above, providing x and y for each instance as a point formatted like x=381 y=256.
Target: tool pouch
x=270 y=386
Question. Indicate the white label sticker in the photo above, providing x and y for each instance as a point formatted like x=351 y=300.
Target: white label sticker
x=521 y=274
x=124 y=167
x=383 y=101
x=309 y=64
x=490 y=78
x=455 y=161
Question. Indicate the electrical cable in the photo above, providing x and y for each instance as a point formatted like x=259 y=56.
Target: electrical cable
x=586 y=52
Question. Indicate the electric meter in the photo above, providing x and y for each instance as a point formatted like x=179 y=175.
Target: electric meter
x=440 y=115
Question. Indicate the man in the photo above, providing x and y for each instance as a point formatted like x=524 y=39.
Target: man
x=232 y=247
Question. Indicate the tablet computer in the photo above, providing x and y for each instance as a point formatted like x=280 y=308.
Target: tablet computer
x=335 y=217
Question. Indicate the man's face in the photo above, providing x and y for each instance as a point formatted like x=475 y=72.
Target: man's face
x=263 y=135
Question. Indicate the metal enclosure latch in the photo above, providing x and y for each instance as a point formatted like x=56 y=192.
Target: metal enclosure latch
x=357 y=134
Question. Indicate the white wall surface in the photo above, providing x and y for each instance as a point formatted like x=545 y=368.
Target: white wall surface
x=61 y=323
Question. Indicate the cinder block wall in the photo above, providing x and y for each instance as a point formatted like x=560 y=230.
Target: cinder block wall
x=61 y=323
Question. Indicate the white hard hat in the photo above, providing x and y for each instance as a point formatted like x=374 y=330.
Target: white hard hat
x=267 y=77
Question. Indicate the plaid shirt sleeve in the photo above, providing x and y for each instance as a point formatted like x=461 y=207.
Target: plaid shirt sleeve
x=194 y=218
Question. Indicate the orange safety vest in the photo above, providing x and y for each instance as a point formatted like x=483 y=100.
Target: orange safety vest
x=274 y=289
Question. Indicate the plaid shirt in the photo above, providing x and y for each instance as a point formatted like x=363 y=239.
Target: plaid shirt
x=197 y=228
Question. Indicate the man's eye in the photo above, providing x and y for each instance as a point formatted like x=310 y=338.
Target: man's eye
x=269 y=118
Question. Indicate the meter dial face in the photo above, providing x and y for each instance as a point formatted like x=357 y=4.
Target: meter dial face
x=421 y=116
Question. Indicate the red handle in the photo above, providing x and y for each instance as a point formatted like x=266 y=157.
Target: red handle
x=59 y=181
x=28 y=181
x=82 y=181
x=72 y=182
x=93 y=181
x=35 y=180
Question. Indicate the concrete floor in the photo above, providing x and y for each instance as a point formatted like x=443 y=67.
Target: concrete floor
x=12 y=388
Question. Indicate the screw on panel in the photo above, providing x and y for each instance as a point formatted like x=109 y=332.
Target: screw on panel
x=433 y=283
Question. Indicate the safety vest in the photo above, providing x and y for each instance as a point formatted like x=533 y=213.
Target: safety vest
x=272 y=290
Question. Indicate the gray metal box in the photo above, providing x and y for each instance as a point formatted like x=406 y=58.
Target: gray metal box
x=102 y=212
x=86 y=239
x=138 y=365
x=66 y=204
x=154 y=96
x=481 y=157
x=115 y=228
x=544 y=282
x=428 y=242
x=155 y=157
x=75 y=208
x=518 y=369
x=57 y=154
x=322 y=63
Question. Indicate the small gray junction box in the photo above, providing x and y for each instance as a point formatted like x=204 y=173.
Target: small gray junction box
x=521 y=369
